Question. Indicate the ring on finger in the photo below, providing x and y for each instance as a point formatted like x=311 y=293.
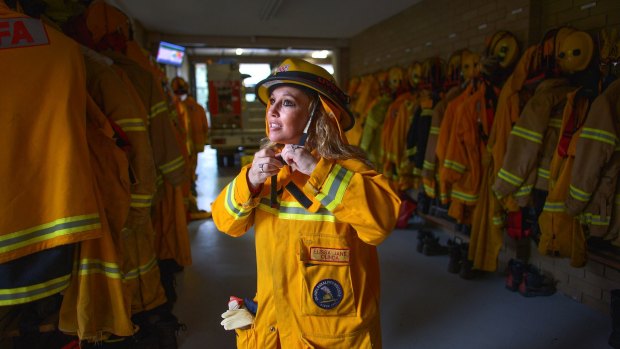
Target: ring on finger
x=261 y=168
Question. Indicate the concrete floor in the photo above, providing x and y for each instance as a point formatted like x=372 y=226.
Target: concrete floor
x=423 y=306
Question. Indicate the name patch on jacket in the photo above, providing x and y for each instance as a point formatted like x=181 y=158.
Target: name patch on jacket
x=22 y=32
x=324 y=254
x=327 y=294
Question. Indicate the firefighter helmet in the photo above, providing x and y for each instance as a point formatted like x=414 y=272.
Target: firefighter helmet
x=396 y=77
x=505 y=47
x=575 y=52
x=179 y=86
x=470 y=65
x=454 y=66
x=414 y=74
x=295 y=71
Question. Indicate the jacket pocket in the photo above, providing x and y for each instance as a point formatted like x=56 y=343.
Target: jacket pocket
x=324 y=261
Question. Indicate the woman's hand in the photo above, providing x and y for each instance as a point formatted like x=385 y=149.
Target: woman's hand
x=264 y=165
x=299 y=158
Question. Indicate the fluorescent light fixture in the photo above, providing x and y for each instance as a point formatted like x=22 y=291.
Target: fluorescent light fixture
x=320 y=54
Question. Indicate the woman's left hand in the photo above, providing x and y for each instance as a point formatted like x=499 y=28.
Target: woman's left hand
x=299 y=158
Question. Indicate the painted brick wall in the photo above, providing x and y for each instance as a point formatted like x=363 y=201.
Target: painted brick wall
x=440 y=27
x=436 y=28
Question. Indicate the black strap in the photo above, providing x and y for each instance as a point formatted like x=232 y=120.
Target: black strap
x=299 y=195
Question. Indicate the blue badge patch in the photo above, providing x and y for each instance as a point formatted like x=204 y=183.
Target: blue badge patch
x=327 y=294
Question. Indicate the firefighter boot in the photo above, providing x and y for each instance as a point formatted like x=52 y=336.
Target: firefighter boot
x=614 y=338
x=535 y=284
x=466 y=271
x=454 y=247
x=432 y=247
x=514 y=276
x=421 y=236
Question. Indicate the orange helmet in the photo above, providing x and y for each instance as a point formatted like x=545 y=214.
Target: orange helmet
x=454 y=65
x=414 y=74
x=396 y=77
x=575 y=52
x=470 y=65
x=504 y=45
x=179 y=86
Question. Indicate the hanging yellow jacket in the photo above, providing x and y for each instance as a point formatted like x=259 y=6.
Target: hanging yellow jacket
x=95 y=305
x=532 y=142
x=166 y=152
x=394 y=134
x=170 y=219
x=597 y=163
x=443 y=139
x=114 y=99
x=47 y=187
x=487 y=231
x=562 y=234
x=507 y=113
x=200 y=124
x=429 y=168
x=462 y=167
x=304 y=257
x=371 y=138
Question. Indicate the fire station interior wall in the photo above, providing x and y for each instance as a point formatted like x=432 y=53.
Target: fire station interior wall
x=438 y=28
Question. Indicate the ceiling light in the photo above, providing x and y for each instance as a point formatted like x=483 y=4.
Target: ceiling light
x=320 y=54
x=239 y=51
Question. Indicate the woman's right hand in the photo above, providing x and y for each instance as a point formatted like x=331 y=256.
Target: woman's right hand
x=264 y=165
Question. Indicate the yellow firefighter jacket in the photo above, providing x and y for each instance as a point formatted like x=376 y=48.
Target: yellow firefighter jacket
x=166 y=153
x=318 y=273
x=443 y=139
x=96 y=303
x=394 y=134
x=371 y=137
x=509 y=103
x=597 y=163
x=562 y=234
x=200 y=124
x=429 y=168
x=532 y=142
x=46 y=181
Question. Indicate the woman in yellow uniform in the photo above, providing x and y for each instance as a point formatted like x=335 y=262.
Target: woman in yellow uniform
x=317 y=225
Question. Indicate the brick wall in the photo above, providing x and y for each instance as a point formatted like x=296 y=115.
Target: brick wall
x=435 y=28
x=588 y=15
x=438 y=28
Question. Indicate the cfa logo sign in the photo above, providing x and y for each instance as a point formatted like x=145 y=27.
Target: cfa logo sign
x=22 y=32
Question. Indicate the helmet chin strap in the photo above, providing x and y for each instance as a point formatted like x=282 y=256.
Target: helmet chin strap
x=304 y=135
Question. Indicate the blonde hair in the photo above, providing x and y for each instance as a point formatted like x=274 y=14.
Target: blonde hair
x=325 y=135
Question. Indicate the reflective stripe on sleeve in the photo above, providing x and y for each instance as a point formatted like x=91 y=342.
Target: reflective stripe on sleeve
x=139 y=200
x=527 y=134
x=172 y=165
x=579 y=194
x=509 y=177
x=336 y=184
x=233 y=208
x=451 y=164
x=129 y=125
x=599 y=135
x=157 y=109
